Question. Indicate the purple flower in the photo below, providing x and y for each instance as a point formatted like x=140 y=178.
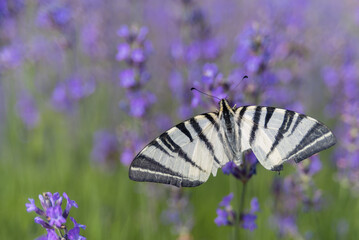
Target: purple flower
x=142 y=34
x=45 y=201
x=138 y=55
x=54 y=15
x=43 y=237
x=123 y=51
x=55 y=199
x=77 y=224
x=254 y=205
x=11 y=56
x=226 y=201
x=70 y=203
x=42 y=222
x=128 y=78
x=74 y=233
x=123 y=31
x=287 y=225
x=245 y=171
x=226 y=215
x=51 y=235
x=222 y=217
x=105 y=147
x=69 y=92
x=61 y=15
x=75 y=88
x=249 y=221
x=32 y=207
x=59 y=97
x=210 y=70
x=229 y=167
x=55 y=215
x=139 y=102
x=27 y=110
x=315 y=165
x=127 y=156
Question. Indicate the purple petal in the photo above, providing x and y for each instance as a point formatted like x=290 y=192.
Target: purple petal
x=138 y=55
x=43 y=237
x=222 y=217
x=42 y=222
x=254 y=205
x=77 y=224
x=127 y=156
x=123 y=51
x=70 y=203
x=315 y=165
x=128 y=78
x=229 y=168
x=249 y=221
x=142 y=34
x=123 y=31
x=55 y=215
x=51 y=235
x=30 y=206
x=226 y=200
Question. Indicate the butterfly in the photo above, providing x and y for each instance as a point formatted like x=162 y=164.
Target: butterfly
x=186 y=154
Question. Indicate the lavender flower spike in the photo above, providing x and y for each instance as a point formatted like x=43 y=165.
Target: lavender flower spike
x=53 y=217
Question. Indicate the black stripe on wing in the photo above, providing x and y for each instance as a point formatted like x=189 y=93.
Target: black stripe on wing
x=182 y=127
x=195 y=125
x=171 y=145
x=299 y=119
x=286 y=123
x=256 y=118
x=269 y=114
x=158 y=146
x=239 y=121
x=316 y=139
x=216 y=127
x=146 y=169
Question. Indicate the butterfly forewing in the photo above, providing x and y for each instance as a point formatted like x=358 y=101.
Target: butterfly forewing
x=277 y=135
x=183 y=156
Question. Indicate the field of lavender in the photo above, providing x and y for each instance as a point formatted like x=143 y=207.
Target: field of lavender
x=84 y=85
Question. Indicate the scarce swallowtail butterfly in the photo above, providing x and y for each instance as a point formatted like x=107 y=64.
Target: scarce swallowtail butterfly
x=185 y=155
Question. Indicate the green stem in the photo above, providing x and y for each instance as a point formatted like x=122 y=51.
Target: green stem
x=239 y=212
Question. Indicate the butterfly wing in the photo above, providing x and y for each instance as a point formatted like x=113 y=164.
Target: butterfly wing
x=183 y=156
x=277 y=135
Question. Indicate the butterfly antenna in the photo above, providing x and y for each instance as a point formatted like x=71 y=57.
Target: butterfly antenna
x=244 y=77
x=205 y=93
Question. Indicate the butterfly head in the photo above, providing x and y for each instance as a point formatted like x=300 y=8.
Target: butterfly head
x=224 y=107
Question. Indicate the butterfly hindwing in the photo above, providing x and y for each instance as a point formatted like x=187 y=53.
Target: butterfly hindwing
x=276 y=135
x=185 y=155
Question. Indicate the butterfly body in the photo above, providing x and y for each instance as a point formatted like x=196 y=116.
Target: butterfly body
x=185 y=155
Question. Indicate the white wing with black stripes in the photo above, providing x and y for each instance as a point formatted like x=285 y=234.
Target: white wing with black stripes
x=277 y=135
x=183 y=156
